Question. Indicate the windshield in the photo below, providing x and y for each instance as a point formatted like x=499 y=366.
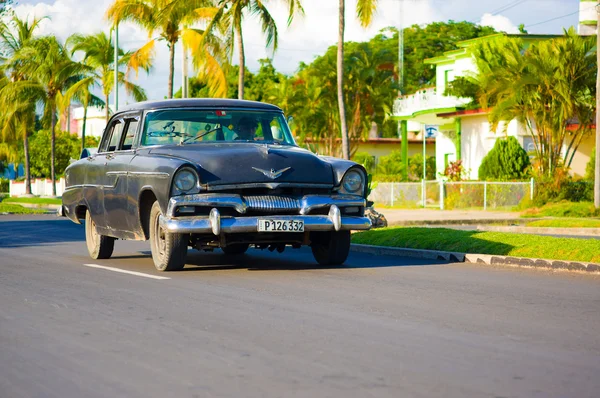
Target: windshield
x=191 y=126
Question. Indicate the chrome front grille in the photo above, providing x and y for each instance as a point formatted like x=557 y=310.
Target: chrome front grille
x=271 y=203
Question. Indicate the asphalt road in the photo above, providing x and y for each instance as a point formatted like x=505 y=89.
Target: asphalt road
x=270 y=325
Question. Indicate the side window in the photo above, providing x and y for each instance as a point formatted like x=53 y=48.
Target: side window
x=115 y=138
x=132 y=126
x=108 y=134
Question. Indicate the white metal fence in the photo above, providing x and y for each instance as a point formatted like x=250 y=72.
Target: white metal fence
x=452 y=195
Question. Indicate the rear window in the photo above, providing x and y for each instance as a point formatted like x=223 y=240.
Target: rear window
x=191 y=126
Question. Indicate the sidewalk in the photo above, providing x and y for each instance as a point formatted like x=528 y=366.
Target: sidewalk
x=436 y=217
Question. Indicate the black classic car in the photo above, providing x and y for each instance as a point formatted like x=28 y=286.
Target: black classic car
x=208 y=174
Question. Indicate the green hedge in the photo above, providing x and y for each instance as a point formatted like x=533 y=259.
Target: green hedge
x=4 y=185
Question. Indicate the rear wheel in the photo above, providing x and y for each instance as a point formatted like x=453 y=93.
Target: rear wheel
x=99 y=246
x=236 y=248
x=169 y=250
x=330 y=248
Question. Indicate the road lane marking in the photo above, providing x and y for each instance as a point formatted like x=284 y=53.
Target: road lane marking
x=126 y=272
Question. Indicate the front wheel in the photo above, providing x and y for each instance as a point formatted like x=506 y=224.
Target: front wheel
x=99 y=246
x=169 y=249
x=330 y=248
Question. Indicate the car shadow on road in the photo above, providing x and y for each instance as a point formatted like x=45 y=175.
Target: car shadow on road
x=22 y=233
x=290 y=260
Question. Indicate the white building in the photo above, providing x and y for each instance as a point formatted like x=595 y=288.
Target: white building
x=587 y=17
x=95 y=121
x=467 y=134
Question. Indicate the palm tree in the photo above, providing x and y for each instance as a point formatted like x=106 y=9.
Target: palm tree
x=167 y=17
x=98 y=52
x=47 y=63
x=19 y=117
x=364 y=11
x=228 y=18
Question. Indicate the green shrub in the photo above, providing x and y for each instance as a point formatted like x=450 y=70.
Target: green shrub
x=366 y=159
x=391 y=164
x=4 y=184
x=415 y=168
x=506 y=161
x=561 y=187
x=590 y=167
x=387 y=177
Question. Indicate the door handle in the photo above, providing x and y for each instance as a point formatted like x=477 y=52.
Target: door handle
x=110 y=156
x=90 y=158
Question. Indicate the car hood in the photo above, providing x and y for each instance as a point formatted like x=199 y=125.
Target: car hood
x=244 y=162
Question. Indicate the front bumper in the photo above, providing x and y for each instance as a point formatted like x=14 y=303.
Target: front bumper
x=215 y=224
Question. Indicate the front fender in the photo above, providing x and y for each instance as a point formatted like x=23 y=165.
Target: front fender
x=341 y=166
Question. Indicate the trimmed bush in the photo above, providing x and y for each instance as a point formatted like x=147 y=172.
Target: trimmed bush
x=506 y=161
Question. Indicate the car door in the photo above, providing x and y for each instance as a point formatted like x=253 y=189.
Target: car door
x=97 y=181
x=117 y=169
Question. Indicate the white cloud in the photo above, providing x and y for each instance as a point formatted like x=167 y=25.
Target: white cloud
x=498 y=22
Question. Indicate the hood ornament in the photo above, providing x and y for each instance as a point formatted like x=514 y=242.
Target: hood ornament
x=272 y=174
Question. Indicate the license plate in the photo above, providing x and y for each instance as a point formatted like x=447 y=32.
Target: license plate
x=280 y=225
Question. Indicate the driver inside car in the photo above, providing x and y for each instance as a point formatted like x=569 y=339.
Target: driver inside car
x=246 y=129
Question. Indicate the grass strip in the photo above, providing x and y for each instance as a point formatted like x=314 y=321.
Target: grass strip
x=18 y=209
x=37 y=201
x=499 y=243
x=566 y=223
x=563 y=209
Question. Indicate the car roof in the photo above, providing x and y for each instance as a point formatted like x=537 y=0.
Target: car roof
x=199 y=103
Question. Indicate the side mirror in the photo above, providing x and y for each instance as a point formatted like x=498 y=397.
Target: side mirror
x=290 y=119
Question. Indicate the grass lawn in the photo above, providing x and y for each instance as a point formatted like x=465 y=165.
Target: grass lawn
x=563 y=209
x=499 y=243
x=566 y=223
x=35 y=200
x=17 y=209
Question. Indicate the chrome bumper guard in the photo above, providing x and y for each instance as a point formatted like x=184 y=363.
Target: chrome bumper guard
x=216 y=225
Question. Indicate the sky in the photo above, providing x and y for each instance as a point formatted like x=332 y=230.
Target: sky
x=308 y=36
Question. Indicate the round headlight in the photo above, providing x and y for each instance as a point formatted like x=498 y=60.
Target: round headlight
x=353 y=181
x=185 y=180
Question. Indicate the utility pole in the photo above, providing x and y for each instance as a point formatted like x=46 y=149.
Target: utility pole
x=402 y=124
x=116 y=67
x=597 y=168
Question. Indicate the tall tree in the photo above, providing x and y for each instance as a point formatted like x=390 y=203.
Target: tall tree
x=19 y=114
x=168 y=18
x=98 y=50
x=51 y=71
x=228 y=19
x=364 y=11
